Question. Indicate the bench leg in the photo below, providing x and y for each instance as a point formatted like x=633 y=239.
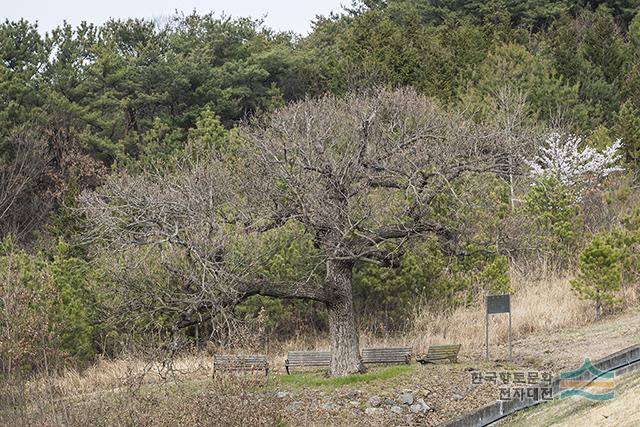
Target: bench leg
x=286 y=367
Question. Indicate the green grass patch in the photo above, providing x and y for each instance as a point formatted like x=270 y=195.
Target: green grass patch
x=316 y=379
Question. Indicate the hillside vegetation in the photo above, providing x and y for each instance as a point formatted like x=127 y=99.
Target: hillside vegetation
x=206 y=184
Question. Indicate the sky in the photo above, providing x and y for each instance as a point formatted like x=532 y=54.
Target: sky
x=280 y=14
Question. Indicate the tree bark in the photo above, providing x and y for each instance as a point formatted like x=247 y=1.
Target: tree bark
x=343 y=332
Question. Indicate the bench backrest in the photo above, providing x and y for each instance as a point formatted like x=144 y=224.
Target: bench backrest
x=308 y=358
x=387 y=355
x=240 y=362
x=442 y=352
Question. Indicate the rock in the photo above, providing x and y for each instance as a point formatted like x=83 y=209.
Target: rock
x=415 y=408
x=374 y=411
x=419 y=407
x=388 y=401
x=408 y=418
x=354 y=403
x=457 y=396
x=282 y=394
x=406 y=398
x=295 y=406
x=397 y=409
x=328 y=406
x=375 y=401
x=422 y=403
x=350 y=395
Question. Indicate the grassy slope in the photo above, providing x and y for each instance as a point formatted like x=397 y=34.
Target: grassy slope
x=623 y=410
x=316 y=379
x=106 y=394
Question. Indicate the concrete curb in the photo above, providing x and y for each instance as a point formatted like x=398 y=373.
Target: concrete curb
x=621 y=361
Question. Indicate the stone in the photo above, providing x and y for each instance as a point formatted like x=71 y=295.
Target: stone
x=328 y=406
x=282 y=394
x=415 y=408
x=375 y=401
x=419 y=407
x=295 y=406
x=422 y=403
x=374 y=411
x=351 y=394
x=406 y=398
x=388 y=401
x=354 y=403
x=457 y=396
x=397 y=409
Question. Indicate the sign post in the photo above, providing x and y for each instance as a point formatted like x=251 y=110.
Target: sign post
x=496 y=304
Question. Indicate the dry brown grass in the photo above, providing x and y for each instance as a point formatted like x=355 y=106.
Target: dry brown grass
x=543 y=305
x=232 y=400
x=539 y=305
x=117 y=389
x=115 y=375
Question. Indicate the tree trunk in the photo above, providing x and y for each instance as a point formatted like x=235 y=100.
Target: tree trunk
x=345 y=347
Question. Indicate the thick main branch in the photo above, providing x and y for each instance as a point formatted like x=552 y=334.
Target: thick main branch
x=304 y=290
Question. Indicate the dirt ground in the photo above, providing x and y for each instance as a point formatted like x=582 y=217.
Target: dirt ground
x=567 y=348
x=446 y=389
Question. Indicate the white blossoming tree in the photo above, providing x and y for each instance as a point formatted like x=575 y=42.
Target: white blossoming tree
x=562 y=158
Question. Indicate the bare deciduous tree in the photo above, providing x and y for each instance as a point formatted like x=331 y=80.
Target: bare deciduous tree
x=360 y=173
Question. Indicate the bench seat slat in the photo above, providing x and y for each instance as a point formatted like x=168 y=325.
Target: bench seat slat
x=441 y=352
x=314 y=359
x=230 y=362
x=387 y=355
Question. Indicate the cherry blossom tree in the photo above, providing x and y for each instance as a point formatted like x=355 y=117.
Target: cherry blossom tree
x=564 y=158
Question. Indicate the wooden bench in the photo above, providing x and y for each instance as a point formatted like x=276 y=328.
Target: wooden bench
x=307 y=359
x=253 y=362
x=441 y=352
x=387 y=355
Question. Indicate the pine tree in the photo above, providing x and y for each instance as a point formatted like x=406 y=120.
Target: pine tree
x=627 y=127
x=599 y=279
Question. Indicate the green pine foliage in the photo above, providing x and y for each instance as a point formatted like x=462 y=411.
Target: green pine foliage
x=627 y=127
x=55 y=301
x=513 y=66
x=74 y=281
x=599 y=278
x=554 y=210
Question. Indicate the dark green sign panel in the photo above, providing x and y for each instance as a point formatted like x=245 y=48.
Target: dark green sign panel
x=498 y=304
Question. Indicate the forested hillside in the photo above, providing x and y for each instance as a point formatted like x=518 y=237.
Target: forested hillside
x=165 y=184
